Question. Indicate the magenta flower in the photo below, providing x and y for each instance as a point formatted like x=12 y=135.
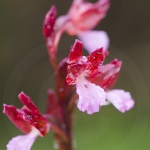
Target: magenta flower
x=29 y=120
x=80 y=68
x=84 y=16
x=93 y=80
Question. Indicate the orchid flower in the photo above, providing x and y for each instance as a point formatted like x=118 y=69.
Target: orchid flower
x=82 y=17
x=93 y=80
x=29 y=120
x=80 y=68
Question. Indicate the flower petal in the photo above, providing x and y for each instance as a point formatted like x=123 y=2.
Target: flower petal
x=28 y=102
x=107 y=74
x=23 y=142
x=120 y=99
x=95 y=59
x=91 y=97
x=94 y=39
x=15 y=115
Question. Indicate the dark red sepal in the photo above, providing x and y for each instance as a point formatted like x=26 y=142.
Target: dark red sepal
x=16 y=116
x=109 y=83
x=107 y=75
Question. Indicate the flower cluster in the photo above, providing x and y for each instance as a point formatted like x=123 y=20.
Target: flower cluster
x=91 y=78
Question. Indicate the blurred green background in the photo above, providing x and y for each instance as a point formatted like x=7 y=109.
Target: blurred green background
x=25 y=67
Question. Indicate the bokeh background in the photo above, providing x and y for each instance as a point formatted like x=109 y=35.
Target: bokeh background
x=24 y=66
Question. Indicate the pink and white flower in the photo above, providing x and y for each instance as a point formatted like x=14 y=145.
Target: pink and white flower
x=84 y=16
x=29 y=120
x=80 y=68
x=94 y=80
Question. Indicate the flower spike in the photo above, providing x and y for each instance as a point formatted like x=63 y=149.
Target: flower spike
x=87 y=75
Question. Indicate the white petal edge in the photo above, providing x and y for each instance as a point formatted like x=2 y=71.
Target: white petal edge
x=23 y=142
x=93 y=40
x=91 y=96
x=121 y=99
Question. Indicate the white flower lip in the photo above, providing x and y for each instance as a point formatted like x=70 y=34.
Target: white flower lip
x=23 y=142
x=91 y=96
